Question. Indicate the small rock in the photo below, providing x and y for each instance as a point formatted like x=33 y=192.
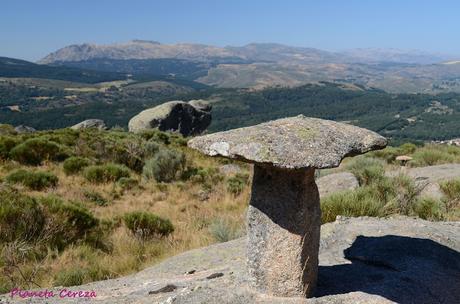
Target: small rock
x=215 y=275
x=21 y=129
x=191 y=271
x=90 y=123
x=167 y=288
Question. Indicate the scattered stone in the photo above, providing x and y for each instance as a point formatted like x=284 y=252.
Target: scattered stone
x=89 y=124
x=191 y=271
x=336 y=182
x=167 y=288
x=215 y=275
x=21 y=129
x=284 y=215
x=176 y=116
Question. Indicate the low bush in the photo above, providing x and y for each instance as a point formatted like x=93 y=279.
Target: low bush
x=451 y=190
x=146 y=225
x=237 y=183
x=360 y=202
x=96 y=198
x=223 y=231
x=429 y=209
x=7 y=143
x=165 y=166
x=75 y=164
x=21 y=217
x=127 y=183
x=367 y=170
x=70 y=277
x=429 y=156
x=35 y=180
x=36 y=150
x=67 y=222
x=105 y=173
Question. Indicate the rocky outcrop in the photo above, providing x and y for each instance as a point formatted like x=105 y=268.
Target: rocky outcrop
x=187 y=118
x=284 y=215
x=361 y=260
x=90 y=123
x=21 y=129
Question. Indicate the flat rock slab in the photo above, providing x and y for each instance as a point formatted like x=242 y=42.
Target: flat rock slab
x=336 y=182
x=293 y=143
x=362 y=260
x=432 y=173
x=427 y=179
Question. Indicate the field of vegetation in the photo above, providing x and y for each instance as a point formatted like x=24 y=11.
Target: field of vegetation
x=400 y=117
x=80 y=206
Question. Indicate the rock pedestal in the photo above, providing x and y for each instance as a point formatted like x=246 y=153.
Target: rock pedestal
x=284 y=219
x=284 y=216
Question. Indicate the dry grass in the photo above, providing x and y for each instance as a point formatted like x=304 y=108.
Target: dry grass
x=182 y=202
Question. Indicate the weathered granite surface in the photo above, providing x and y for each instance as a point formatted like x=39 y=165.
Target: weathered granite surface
x=294 y=143
x=284 y=219
x=362 y=260
x=336 y=182
x=187 y=118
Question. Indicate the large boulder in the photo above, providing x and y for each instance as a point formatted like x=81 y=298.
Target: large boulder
x=187 y=118
x=336 y=182
x=362 y=260
x=90 y=123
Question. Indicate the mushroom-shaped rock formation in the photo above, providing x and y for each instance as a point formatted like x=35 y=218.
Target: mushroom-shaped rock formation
x=284 y=214
x=403 y=159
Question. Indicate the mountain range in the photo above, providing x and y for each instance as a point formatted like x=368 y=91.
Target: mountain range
x=260 y=65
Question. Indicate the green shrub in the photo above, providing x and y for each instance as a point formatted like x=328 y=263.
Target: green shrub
x=67 y=222
x=360 y=202
x=96 y=198
x=223 y=231
x=36 y=150
x=6 y=129
x=35 y=180
x=145 y=225
x=429 y=209
x=127 y=183
x=70 y=277
x=165 y=166
x=451 y=190
x=105 y=173
x=21 y=217
x=151 y=148
x=7 y=143
x=237 y=183
x=75 y=164
x=367 y=170
x=429 y=156
x=402 y=195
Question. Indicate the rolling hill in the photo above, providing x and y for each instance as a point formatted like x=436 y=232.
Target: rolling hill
x=261 y=65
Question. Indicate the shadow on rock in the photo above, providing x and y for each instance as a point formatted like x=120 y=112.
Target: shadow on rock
x=401 y=269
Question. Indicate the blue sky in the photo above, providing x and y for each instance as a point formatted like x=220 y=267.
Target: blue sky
x=31 y=29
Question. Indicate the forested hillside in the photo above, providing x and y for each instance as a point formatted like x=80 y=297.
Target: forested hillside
x=401 y=117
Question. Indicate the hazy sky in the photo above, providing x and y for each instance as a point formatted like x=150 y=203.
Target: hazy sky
x=31 y=29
